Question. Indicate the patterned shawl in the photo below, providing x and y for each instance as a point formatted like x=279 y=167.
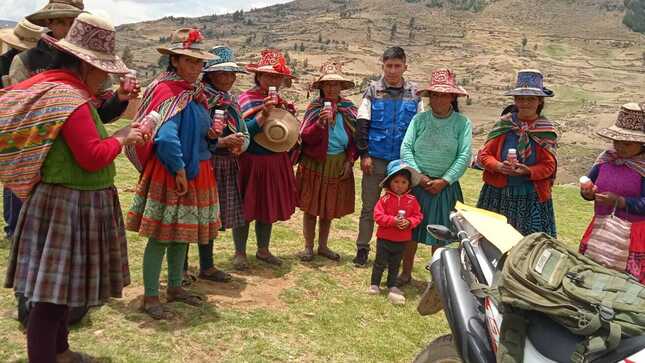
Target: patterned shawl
x=636 y=163
x=224 y=100
x=168 y=94
x=344 y=106
x=252 y=101
x=31 y=116
x=541 y=131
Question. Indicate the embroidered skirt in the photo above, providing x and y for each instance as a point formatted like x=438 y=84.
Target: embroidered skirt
x=230 y=200
x=521 y=206
x=436 y=210
x=158 y=212
x=69 y=247
x=321 y=191
x=636 y=257
x=268 y=187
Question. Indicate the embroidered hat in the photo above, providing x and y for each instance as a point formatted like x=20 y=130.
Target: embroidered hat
x=56 y=9
x=530 y=82
x=396 y=166
x=629 y=126
x=271 y=61
x=280 y=131
x=23 y=36
x=93 y=40
x=443 y=81
x=187 y=41
x=333 y=72
x=224 y=61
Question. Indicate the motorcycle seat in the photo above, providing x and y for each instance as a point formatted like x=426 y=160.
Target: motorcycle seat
x=558 y=344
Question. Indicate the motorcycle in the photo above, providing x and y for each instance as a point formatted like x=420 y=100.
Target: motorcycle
x=475 y=319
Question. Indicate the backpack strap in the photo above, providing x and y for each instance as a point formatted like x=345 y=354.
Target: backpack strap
x=512 y=336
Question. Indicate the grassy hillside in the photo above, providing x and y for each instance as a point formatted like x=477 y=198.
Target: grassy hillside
x=313 y=312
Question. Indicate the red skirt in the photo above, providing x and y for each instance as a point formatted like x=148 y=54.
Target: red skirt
x=159 y=213
x=268 y=187
x=636 y=257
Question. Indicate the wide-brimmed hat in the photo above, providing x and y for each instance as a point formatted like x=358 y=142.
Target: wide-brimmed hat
x=280 y=131
x=93 y=40
x=333 y=72
x=271 y=61
x=224 y=61
x=56 y=9
x=530 y=82
x=396 y=166
x=629 y=126
x=187 y=41
x=23 y=36
x=443 y=81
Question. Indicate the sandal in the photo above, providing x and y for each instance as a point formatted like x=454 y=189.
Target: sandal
x=307 y=255
x=216 y=275
x=329 y=254
x=157 y=312
x=270 y=259
x=185 y=297
x=240 y=263
x=402 y=281
x=188 y=279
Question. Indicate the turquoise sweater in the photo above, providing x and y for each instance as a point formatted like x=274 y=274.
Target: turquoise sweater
x=438 y=148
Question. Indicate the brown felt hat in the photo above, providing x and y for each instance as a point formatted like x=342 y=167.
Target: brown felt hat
x=57 y=9
x=23 y=36
x=629 y=126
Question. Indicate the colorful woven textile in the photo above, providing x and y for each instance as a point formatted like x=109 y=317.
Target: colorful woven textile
x=345 y=107
x=31 y=116
x=224 y=100
x=168 y=95
x=636 y=163
x=541 y=131
x=252 y=101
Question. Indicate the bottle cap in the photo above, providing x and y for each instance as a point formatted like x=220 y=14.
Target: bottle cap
x=584 y=179
x=272 y=88
x=132 y=73
x=155 y=114
x=219 y=112
x=512 y=151
x=327 y=104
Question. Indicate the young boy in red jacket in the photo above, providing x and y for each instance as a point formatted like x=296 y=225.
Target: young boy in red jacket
x=397 y=213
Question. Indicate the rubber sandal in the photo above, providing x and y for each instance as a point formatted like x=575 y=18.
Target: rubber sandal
x=307 y=255
x=270 y=259
x=240 y=263
x=329 y=254
x=186 y=298
x=157 y=312
x=217 y=275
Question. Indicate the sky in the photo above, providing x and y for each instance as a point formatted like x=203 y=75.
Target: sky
x=129 y=11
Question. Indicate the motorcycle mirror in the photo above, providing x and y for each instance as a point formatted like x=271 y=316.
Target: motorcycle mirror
x=441 y=233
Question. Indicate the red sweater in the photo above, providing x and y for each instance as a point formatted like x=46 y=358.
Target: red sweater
x=386 y=210
x=315 y=140
x=490 y=155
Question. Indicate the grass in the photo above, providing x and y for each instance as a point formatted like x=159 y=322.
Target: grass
x=317 y=312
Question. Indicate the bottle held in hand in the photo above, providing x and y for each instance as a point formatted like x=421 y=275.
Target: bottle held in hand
x=149 y=123
x=586 y=184
x=218 y=121
x=512 y=157
x=401 y=214
x=273 y=93
x=129 y=82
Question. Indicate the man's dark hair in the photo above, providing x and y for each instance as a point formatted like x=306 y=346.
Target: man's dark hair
x=394 y=53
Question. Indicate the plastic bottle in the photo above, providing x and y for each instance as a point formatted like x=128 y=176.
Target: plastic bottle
x=130 y=79
x=273 y=93
x=401 y=214
x=512 y=156
x=586 y=184
x=150 y=122
x=218 y=120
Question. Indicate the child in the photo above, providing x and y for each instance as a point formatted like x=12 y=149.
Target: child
x=396 y=214
x=387 y=108
x=619 y=178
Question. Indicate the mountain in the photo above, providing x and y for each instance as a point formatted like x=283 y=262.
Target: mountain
x=7 y=23
x=589 y=57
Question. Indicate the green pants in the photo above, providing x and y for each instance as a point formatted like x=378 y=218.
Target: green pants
x=152 y=259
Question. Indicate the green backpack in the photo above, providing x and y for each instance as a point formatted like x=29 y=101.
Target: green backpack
x=542 y=274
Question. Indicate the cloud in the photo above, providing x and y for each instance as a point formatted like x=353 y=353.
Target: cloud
x=130 y=11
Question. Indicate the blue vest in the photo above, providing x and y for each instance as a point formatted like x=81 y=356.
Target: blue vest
x=389 y=121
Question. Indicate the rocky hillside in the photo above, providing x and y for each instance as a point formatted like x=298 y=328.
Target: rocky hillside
x=590 y=58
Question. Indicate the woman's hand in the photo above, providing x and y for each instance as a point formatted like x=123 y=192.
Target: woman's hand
x=232 y=141
x=182 y=182
x=435 y=186
x=611 y=199
x=403 y=224
x=263 y=115
x=589 y=194
x=325 y=117
x=518 y=169
x=366 y=165
x=127 y=96
x=347 y=170
x=130 y=135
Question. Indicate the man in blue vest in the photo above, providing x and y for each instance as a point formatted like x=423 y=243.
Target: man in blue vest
x=388 y=106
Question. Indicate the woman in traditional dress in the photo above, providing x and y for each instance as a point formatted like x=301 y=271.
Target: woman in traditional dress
x=69 y=247
x=325 y=179
x=519 y=160
x=266 y=175
x=437 y=144
x=219 y=76
x=176 y=201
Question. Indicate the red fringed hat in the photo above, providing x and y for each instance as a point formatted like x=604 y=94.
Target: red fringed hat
x=272 y=61
x=187 y=41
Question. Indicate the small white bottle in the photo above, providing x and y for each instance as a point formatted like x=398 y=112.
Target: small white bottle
x=150 y=122
x=273 y=93
x=512 y=156
x=130 y=79
x=586 y=184
x=218 y=120
x=401 y=214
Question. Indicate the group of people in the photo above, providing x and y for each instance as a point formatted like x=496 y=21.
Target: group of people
x=213 y=161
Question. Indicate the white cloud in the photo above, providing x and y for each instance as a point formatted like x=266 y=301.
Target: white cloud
x=129 y=11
